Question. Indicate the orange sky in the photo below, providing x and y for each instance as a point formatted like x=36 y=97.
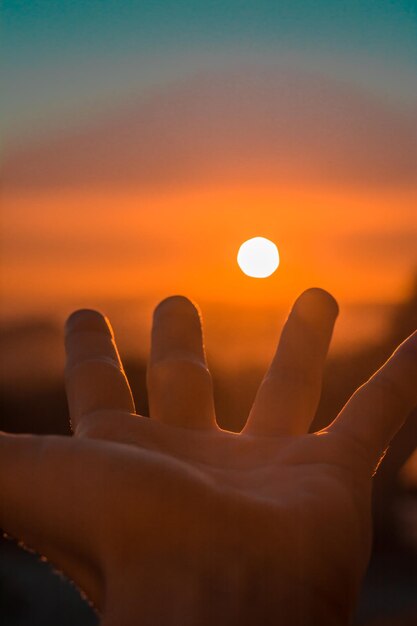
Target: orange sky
x=120 y=244
x=127 y=250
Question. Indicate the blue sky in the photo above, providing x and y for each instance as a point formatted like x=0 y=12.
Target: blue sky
x=44 y=28
x=67 y=61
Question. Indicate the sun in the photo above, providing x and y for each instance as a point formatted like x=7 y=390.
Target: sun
x=258 y=257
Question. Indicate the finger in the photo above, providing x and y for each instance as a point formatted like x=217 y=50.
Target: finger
x=376 y=410
x=48 y=503
x=94 y=375
x=289 y=394
x=179 y=382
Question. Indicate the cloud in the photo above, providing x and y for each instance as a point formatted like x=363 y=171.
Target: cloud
x=248 y=125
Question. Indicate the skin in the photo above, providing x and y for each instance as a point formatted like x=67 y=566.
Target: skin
x=171 y=520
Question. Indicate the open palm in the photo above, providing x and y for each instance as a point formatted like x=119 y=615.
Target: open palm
x=172 y=520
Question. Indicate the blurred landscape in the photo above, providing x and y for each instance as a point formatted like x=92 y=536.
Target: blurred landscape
x=33 y=400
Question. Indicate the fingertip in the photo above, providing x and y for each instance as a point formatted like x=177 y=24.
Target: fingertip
x=176 y=328
x=87 y=320
x=177 y=304
x=316 y=304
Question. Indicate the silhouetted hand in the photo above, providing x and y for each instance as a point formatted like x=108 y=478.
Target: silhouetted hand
x=171 y=520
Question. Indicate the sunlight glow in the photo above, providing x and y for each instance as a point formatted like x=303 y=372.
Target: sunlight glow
x=258 y=257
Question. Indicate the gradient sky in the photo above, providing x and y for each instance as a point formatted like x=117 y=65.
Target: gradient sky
x=145 y=141
x=58 y=55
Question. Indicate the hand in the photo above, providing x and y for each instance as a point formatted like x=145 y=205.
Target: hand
x=172 y=520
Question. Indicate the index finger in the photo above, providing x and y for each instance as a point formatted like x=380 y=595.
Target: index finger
x=289 y=394
x=377 y=410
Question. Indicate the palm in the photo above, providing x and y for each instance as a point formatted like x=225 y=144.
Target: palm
x=172 y=520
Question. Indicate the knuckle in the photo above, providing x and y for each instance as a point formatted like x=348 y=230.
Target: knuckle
x=291 y=375
x=385 y=386
x=102 y=424
x=178 y=366
x=101 y=362
x=358 y=449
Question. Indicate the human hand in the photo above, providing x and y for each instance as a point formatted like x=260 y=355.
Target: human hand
x=172 y=520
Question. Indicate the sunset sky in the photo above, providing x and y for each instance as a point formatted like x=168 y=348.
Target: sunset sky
x=146 y=141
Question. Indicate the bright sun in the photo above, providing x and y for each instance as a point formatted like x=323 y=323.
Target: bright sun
x=258 y=257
